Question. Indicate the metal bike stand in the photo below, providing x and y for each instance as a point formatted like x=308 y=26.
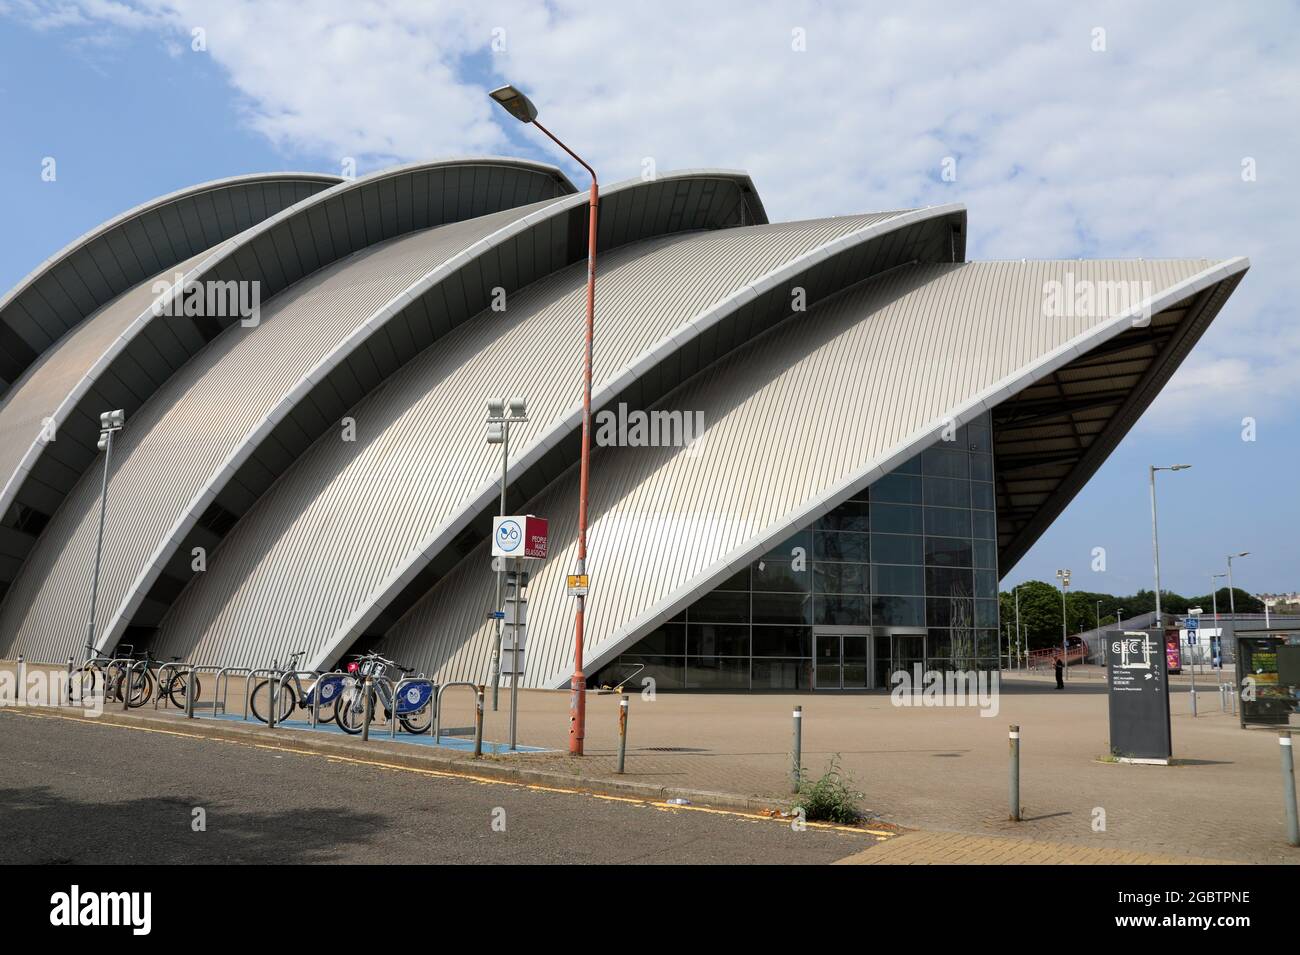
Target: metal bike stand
x=222 y=689
x=437 y=710
x=315 y=692
x=272 y=676
x=397 y=691
x=291 y=674
x=128 y=664
x=175 y=665
x=192 y=688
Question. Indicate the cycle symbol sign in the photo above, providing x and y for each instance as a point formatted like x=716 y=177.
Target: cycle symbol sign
x=509 y=536
x=518 y=536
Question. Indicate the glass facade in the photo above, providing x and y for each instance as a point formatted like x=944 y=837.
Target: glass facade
x=904 y=572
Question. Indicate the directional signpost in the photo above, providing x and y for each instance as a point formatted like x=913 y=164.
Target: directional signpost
x=1139 y=697
x=515 y=538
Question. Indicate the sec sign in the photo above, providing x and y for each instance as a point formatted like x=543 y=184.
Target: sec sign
x=519 y=536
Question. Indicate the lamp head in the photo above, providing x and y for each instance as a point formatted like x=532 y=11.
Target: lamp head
x=514 y=102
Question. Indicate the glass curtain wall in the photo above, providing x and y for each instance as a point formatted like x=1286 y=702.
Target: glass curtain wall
x=917 y=550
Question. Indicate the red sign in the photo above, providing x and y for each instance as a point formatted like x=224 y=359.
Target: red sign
x=535 y=536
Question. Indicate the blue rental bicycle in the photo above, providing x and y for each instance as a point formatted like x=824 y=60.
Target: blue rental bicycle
x=295 y=695
x=414 y=703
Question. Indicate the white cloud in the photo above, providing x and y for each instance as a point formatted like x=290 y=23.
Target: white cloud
x=1062 y=151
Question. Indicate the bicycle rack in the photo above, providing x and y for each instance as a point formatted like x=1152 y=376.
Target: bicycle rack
x=191 y=696
x=222 y=689
x=130 y=663
x=272 y=676
x=437 y=710
x=397 y=693
x=175 y=665
x=314 y=675
x=345 y=680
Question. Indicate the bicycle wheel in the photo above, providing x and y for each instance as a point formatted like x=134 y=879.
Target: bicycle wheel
x=179 y=685
x=140 y=692
x=284 y=701
x=417 y=722
x=350 y=711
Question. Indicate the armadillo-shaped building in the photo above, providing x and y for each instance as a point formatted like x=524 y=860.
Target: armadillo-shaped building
x=850 y=427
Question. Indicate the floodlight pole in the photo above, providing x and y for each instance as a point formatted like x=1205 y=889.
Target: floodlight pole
x=106 y=436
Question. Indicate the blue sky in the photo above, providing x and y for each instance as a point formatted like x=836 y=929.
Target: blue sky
x=1062 y=150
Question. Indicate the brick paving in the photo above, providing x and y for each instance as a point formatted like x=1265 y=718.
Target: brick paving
x=951 y=848
x=940 y=770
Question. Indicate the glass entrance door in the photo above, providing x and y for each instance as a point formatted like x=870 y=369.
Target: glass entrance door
x=843 y=661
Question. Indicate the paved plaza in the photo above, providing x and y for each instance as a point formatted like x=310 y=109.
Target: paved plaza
x=941 y=770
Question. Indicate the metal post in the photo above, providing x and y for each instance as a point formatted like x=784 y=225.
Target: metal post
x=1155 y=547
x=69 y=681
x=514 y=655
x=622 y=734
x=99 y=543
x=270 y=703
x=368 y=707
x=190 y=682
x=796 y=769
x=496 y=649
x=1288 y=788
x=1014 y=773
x=1020 y=647
x=126 y=685
x=478 y=723
x=20 y=687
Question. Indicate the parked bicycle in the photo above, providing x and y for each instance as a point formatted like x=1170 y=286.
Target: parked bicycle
x=293 y=694
x=414 y=705
x=101 y=674
x=143 y=681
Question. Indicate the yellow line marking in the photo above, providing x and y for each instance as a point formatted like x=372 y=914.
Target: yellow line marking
x=470 y=777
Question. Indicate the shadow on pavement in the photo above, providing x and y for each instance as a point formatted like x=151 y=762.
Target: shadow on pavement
x=40 y=827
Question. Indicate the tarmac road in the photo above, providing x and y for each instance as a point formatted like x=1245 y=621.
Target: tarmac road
x=78 y=792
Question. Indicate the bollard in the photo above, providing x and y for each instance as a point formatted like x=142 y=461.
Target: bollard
x=622 y=734
x=1288 y=788
x=1192 y=694
x=190 y=680
x=478 y=723
x=369 y=708
x=20 y=691
x=796 y=769
x=1013 y=742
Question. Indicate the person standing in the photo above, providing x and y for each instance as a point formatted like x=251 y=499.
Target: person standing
x=1060 y=673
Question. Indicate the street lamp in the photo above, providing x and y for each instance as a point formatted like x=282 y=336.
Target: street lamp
x=514 y=102
x=501 y=415
x=1064 y=577
x=1218 y=633
x=110 y=423
x=1155 y=539
x=1232 y=594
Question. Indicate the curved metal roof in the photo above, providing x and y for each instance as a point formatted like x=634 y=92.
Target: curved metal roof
x=654 y=295
x=91 y=271
x=858 y=385
x=210 y=421
x=297 y=241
